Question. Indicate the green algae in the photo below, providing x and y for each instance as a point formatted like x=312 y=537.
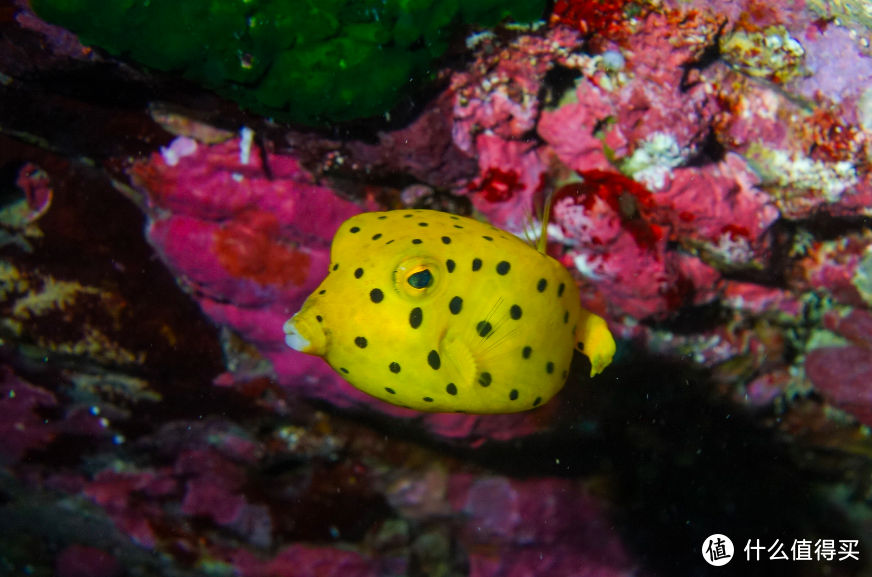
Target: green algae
x=306 y=61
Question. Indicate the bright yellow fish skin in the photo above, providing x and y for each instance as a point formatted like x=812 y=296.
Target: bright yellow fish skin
x=442 y=313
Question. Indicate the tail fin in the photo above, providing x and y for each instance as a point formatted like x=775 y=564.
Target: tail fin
x=592 y=337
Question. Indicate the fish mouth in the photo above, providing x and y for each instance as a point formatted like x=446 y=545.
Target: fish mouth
x=294 y=338
x=304 y=332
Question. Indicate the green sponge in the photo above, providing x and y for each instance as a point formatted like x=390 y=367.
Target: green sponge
x=307 y=61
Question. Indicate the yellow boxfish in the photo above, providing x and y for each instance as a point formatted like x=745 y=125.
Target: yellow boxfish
x=441 y=313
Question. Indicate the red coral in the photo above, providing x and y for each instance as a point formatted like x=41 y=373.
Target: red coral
x=735 y=231
x=625 y=196
x=603 y=17
x=248 y=248
x=500 y=185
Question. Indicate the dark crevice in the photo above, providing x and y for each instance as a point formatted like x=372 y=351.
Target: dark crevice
x=557 y=81
x=709 y=151
x=709 y=55
x=825 y=227
x=692 y=320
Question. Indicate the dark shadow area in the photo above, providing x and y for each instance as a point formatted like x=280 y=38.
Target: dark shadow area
x=692 y=320
x=677 y=463
x=825 y=226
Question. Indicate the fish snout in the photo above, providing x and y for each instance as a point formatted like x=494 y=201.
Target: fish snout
x=304 y=333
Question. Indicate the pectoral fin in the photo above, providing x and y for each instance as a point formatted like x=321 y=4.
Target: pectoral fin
x=459 y=356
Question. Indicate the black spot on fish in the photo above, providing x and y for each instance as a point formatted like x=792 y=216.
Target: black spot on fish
x=476 y=264
x=581 y=346
x=457 y=226
x=560 y=289
x=389 y=242
x=415 y=317
x=503 y=267
x=433 y=360
x=526 y=352
x=451 y=389
x=549 y=367
x=450 y=264
x=566 y=317
x=394 y=367
x=322 y=291
x=407 y=216
x=335 y=266
x=382 y=217
x=483 y=328
x=515 y=311
x=453 y=218
x=354 y=229
x=484 y=380
x=358 y=273
x=456 y=305
x=543 y=284
x=513 y=396
x=319 y=318
x=390 y=390
x=487 y=238
x=446 y=240
x=417 y=241
x=428 y=400
x=376 y=295
x=422 y=224
x=377 y=236
x=344 y=370
x=537 y=401
x=360 y=341
x=564 y=374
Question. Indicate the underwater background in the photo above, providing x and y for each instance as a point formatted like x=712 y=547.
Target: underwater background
x=172 y=174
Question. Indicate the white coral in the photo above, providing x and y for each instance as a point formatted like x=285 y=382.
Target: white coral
x=653 y=161
x=831 y=178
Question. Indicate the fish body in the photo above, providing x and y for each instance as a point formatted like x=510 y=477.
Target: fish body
x=442 y=313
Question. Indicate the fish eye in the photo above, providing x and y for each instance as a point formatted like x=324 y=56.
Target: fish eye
x=421 y=279
x=418 y=278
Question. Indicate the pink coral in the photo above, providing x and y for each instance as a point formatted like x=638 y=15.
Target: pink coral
x=833 y=267
x=21 y=428
x=541 y=527
x=618 y=231
x=119 y=494
x=843 y=373
x=213 y=486
x=495 y=105
x=655 y=99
